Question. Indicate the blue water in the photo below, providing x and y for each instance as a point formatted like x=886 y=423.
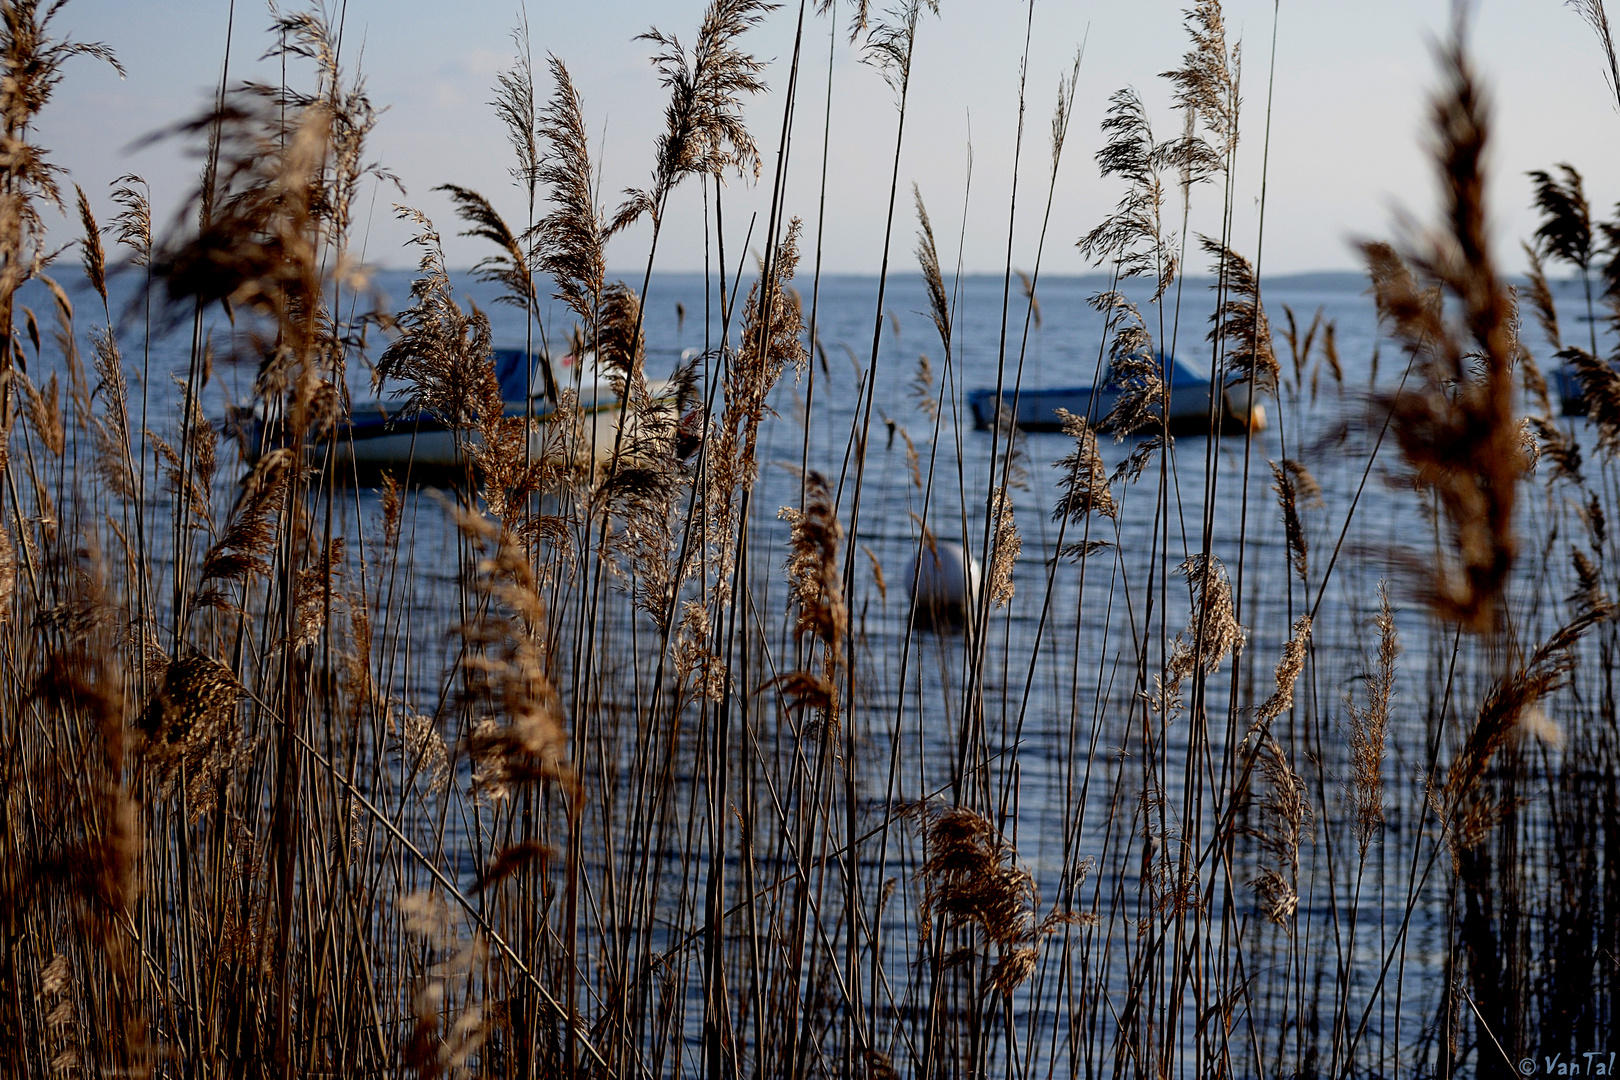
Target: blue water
x=1058 y=678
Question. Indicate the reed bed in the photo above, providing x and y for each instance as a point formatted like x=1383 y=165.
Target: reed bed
x=639 y=754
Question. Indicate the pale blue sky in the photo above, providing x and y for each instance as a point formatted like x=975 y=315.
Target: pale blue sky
x=1351 y=91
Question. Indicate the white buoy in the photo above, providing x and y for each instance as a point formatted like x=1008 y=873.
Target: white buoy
x=947 y=580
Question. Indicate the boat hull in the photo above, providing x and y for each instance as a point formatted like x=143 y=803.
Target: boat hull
x=1038 y=410
x=421 y=448
x=1571 y=397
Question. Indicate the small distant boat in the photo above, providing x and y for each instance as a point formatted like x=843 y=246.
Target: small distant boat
x=1190 y=390
x=1571 y=394
x=382 y=436
x=1571 y=398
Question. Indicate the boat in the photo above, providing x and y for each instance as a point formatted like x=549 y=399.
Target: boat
x=389 y=436
x=1571 y=391
x=1571 y=398
x=1190 y=390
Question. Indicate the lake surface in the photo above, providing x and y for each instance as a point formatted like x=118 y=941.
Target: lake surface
x=1057 y=681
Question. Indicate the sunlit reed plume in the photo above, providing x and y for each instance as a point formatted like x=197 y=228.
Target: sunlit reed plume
x=1293 y=528
x=94 y=255
x=509 y=268
x=517 y=110
x=890 y=40
x=971 y=878
x=771 y=341
x=1082 y=476
x=443 y=358
x=33 y=58
x=1213 y=632
x=1130 y=237
x=1206 y=91
x=1006 y=547
x=520 y=735
x=1240 y=326
x=1133 y=367
x=704 y=133
x=939 y=307
x=570 y=237
x=1369 y=727
x=814 y=570
x=1289 y=667
x=132 y=226
x=1286 y=813
x=243 y=549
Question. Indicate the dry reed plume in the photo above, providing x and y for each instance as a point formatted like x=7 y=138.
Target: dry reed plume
x=1457 y=430
x=1369 y=730
x=589 y=767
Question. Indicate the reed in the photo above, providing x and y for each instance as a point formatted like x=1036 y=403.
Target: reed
x=622 y=755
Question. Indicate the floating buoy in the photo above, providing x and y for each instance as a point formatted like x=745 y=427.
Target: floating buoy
x=947 y=580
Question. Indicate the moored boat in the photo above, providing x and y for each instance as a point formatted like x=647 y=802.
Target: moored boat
x=1571 y=401
x=382 y=436
x=1189 y=402
x=1571 y=394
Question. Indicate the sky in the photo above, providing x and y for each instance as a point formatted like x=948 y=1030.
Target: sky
x=1345 y=160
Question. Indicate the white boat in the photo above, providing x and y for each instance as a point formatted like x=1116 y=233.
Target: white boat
x=381 y=436
x=1190 y=390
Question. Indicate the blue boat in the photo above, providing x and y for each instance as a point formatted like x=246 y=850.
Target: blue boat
x=1571 y=396
x=1190 y=390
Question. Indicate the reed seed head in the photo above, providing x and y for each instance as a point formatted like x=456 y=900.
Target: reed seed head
x=815 y=577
